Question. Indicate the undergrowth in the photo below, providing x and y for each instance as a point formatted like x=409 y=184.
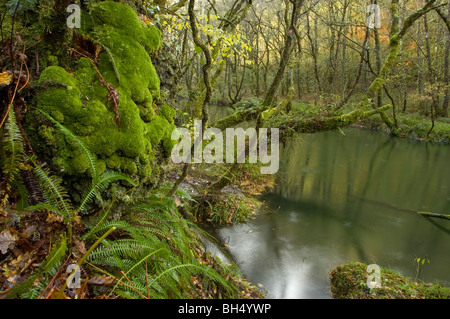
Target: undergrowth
x=349 y=281
x=152 y=252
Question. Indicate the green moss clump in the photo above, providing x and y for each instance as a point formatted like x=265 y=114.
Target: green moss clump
x=78 y=100
x=349 y=281
x=159 y=130
x=168 y=112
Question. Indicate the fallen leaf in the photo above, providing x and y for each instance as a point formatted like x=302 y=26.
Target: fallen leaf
x=12 y=279
x=5 y=78
x=7 y=240
x=80 y=246
x=77 y=219
x=101 y=281
x=28 y=231
x=53 y=218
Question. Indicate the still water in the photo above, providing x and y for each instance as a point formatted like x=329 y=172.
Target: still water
x=342 y=198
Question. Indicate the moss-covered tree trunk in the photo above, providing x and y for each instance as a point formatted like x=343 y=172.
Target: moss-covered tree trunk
x=289 y=44
x=396 y=34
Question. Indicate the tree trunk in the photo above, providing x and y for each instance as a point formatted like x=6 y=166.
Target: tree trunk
x=288 y=46
x=447 y=71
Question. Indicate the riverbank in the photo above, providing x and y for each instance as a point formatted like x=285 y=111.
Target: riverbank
x=295 y=217
x=349 y=281
x=413 y=126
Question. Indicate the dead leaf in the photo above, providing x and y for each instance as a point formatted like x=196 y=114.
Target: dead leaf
x=80 y=246
x=7 y=240
x=5 y=78
x=28 y=231
x=77 y=219
x=177 y=201
x=12 y=279
x=53 y=218
x=101 y=281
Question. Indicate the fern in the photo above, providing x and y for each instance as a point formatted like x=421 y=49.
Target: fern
x=54 y=193
x=113 y=62
x=45 y=271
x=12 y=154
x=21 y=191
x=155 y=252
x=77 y=141
x=16 y=6
x=97 y=186
x=104 y=227
x=55 y=256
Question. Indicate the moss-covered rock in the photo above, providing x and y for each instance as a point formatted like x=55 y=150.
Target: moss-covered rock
x=79 y=100
x=349 y=281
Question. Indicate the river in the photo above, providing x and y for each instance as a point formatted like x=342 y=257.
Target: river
x=347 y=196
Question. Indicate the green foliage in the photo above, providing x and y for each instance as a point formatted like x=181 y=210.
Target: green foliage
x=16 y=6
x=230 y=210
x=101 y=184
x=57 y=199
x=56 y=196
x=156 y=252
x=349 y=282
x=78 y=100
x=12 y=153
x=76 y=140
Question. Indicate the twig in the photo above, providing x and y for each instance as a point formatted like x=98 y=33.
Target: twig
x=146 y=279
x=132 y=286
x=13 y=97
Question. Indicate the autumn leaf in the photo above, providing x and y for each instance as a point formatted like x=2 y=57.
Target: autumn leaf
x=5 y=78
x=54 y=218
x=7 y=240
x=101 y=281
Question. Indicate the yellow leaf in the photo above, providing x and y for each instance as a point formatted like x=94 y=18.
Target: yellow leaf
x=5 y=78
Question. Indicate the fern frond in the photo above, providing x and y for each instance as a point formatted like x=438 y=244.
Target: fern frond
x=113 y=62
x=21 y=191
x=77 y=141
x=126 y=248
x=12 y=146
x=16 y=6
x=54 y=193
x=104 y=227
x=55 y=256
x=99 y=185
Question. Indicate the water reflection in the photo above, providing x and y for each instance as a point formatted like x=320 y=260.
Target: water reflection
x=345 y=198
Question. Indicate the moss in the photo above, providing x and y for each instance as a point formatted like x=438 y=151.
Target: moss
x=52 y=60
x=159 y=129
x=413 y=126
x=79 y=100
x=168 y=113
x=376 y=86
x=47 y=133
x=349 y=281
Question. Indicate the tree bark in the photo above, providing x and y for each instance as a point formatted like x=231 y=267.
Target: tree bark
x=288 y=46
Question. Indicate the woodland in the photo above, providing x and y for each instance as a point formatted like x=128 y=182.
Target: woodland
x=91 y=204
